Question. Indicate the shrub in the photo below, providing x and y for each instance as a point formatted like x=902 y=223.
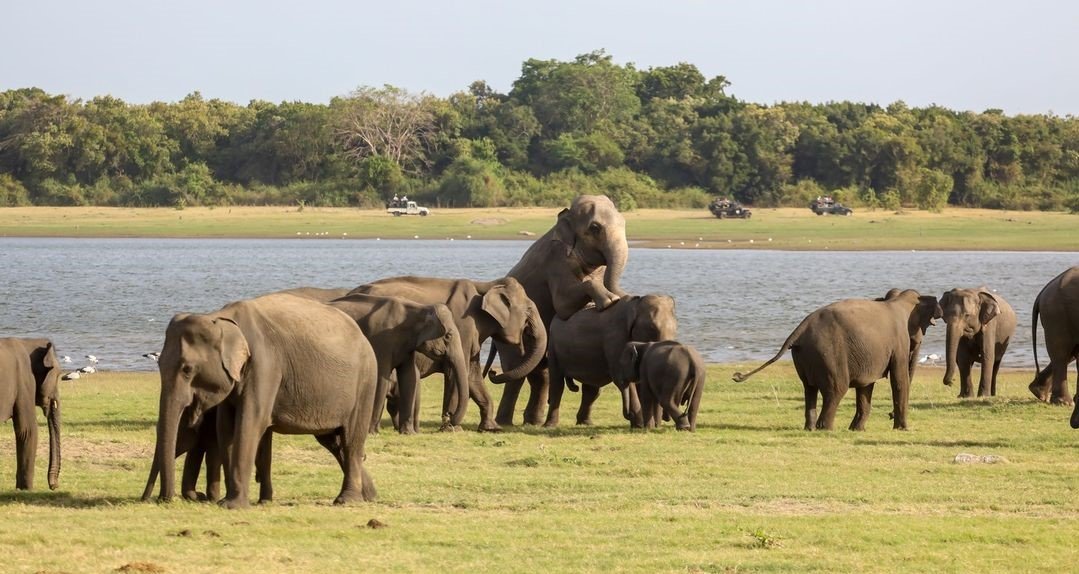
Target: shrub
x=12 y=192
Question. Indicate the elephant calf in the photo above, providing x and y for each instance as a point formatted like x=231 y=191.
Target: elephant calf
x=29 y=377
x=668 y=374
x=980 y=326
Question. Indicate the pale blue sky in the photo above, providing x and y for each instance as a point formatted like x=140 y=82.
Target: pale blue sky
x=1020 y=56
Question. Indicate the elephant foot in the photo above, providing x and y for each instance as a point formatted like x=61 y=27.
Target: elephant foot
x=449 y=427
x=233 y=503
x=533 y=420
x=1038 y=391
x=193 y=496
x=1063 y=401
x=349 y=496
x=585 y=422
x=489 y=427
x=550 y=423
x=963 y=396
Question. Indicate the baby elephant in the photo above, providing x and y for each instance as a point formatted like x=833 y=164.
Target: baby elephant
x=668 y=375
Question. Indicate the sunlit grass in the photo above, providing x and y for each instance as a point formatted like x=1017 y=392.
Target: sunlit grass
x=787 y=228
x=749 y=491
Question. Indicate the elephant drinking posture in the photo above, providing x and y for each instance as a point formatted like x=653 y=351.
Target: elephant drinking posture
x=1058 y=306
x=29 y=377
x=854 y=343
x=588 y=346
x=668 y=374
x=980 y=326
x=277 y=363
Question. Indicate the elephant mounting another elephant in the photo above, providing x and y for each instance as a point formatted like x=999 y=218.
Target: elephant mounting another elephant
x=853 y=343
x=1058 y=306
x=578 y=261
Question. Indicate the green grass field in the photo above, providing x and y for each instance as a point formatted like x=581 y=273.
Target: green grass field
x=786 y=228
x=749 y=492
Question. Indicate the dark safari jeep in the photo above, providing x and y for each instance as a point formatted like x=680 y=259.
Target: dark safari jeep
x=723 y=208
x=826 y=204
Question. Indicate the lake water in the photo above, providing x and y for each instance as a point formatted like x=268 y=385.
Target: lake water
x=114 y=297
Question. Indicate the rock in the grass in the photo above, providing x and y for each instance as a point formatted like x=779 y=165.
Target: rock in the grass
x=526 y=233
x=967 y=458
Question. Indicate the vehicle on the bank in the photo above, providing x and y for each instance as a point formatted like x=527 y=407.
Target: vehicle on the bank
x=723 y=208
x=405 y=207
x=826 y=204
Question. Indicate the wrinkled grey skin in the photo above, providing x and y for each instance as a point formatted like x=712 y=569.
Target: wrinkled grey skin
x=668 y=374
x=980 y=325
x=398 y=330
x=578 y=261
x=1058 y=306
x=588 y=346
x=853 y=343
x=279 y=363
x=481 y=309
x=29 y=377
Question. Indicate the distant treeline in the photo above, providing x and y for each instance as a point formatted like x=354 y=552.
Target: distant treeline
x=660 y=137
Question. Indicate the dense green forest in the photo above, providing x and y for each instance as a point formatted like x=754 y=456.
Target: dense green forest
x=660 y=137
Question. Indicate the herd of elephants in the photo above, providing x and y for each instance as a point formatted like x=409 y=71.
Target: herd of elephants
x=327 y=362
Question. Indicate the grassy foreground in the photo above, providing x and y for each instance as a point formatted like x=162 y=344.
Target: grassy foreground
x=785 y=228
x=749 y=492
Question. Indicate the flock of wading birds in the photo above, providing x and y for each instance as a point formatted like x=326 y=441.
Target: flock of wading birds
x=327 y=361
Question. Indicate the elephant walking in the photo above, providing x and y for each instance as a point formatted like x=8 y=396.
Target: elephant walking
x=279 y=363
x=588 y=346
x=853 y=343
x=980 y=326
x=29 y=377
x=1058 y=306
x=578 y=261
x=668 y=374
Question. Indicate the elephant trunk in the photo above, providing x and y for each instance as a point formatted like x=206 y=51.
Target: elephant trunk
x=616 y=263
x=165 y=452
x=952 y=349
x=52 y=415
x=535 y=341
x=459 y=369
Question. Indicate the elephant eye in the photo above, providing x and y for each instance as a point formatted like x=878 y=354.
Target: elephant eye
x=594 y=227
x=187 y=369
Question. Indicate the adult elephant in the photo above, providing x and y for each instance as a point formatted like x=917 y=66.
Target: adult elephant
x=481 y=310
x=853 y=343
x=29 y=377
x=279 y=363
x=1058 y=306
x=578 y=261
x=398 y=330
x=980 y=326
x=588 y=348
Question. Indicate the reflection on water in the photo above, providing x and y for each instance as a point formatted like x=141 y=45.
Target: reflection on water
x=114 y=297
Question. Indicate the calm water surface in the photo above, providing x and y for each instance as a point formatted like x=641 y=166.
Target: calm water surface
x=113 y=297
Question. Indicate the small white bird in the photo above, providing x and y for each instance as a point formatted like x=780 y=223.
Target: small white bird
x=930 y=358
x=88 y=370
x=92 y=359
x=65 y=359
x=153 y=356
x=71 y=376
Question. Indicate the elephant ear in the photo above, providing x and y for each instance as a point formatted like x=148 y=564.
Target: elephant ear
x=563 y=231
x=945 y=299
x=630 y=363
x=989 y=307
x=496 y=303
x=234 y=349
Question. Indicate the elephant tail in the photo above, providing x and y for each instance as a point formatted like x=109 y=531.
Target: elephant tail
x=1034 y=331
x=801 y=328
x=696 y=380
x=490 y=361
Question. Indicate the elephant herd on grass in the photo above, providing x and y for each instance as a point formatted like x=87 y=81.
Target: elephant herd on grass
x=327 y=362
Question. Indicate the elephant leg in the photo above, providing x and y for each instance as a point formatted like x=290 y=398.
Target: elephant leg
x=478 y=392
x=384 y=400
x=810 y=393
x=192 y=467
x=865 y=399
x=554 y=399
x=263 y=467
x=648 y=406
x=25 y=423
x=589 y=394
x=537 y=396
x=669 y=402
x=332 y=443
x=1039 y=387
x=214 y=463
x=965 y=361
x=899 y=378
x=1060 y=394
x=407 y=387
x=631 y=407
x=996 y=369
x=249 y=422
x=357 y=484
x=508 y=403
x=831 y=393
